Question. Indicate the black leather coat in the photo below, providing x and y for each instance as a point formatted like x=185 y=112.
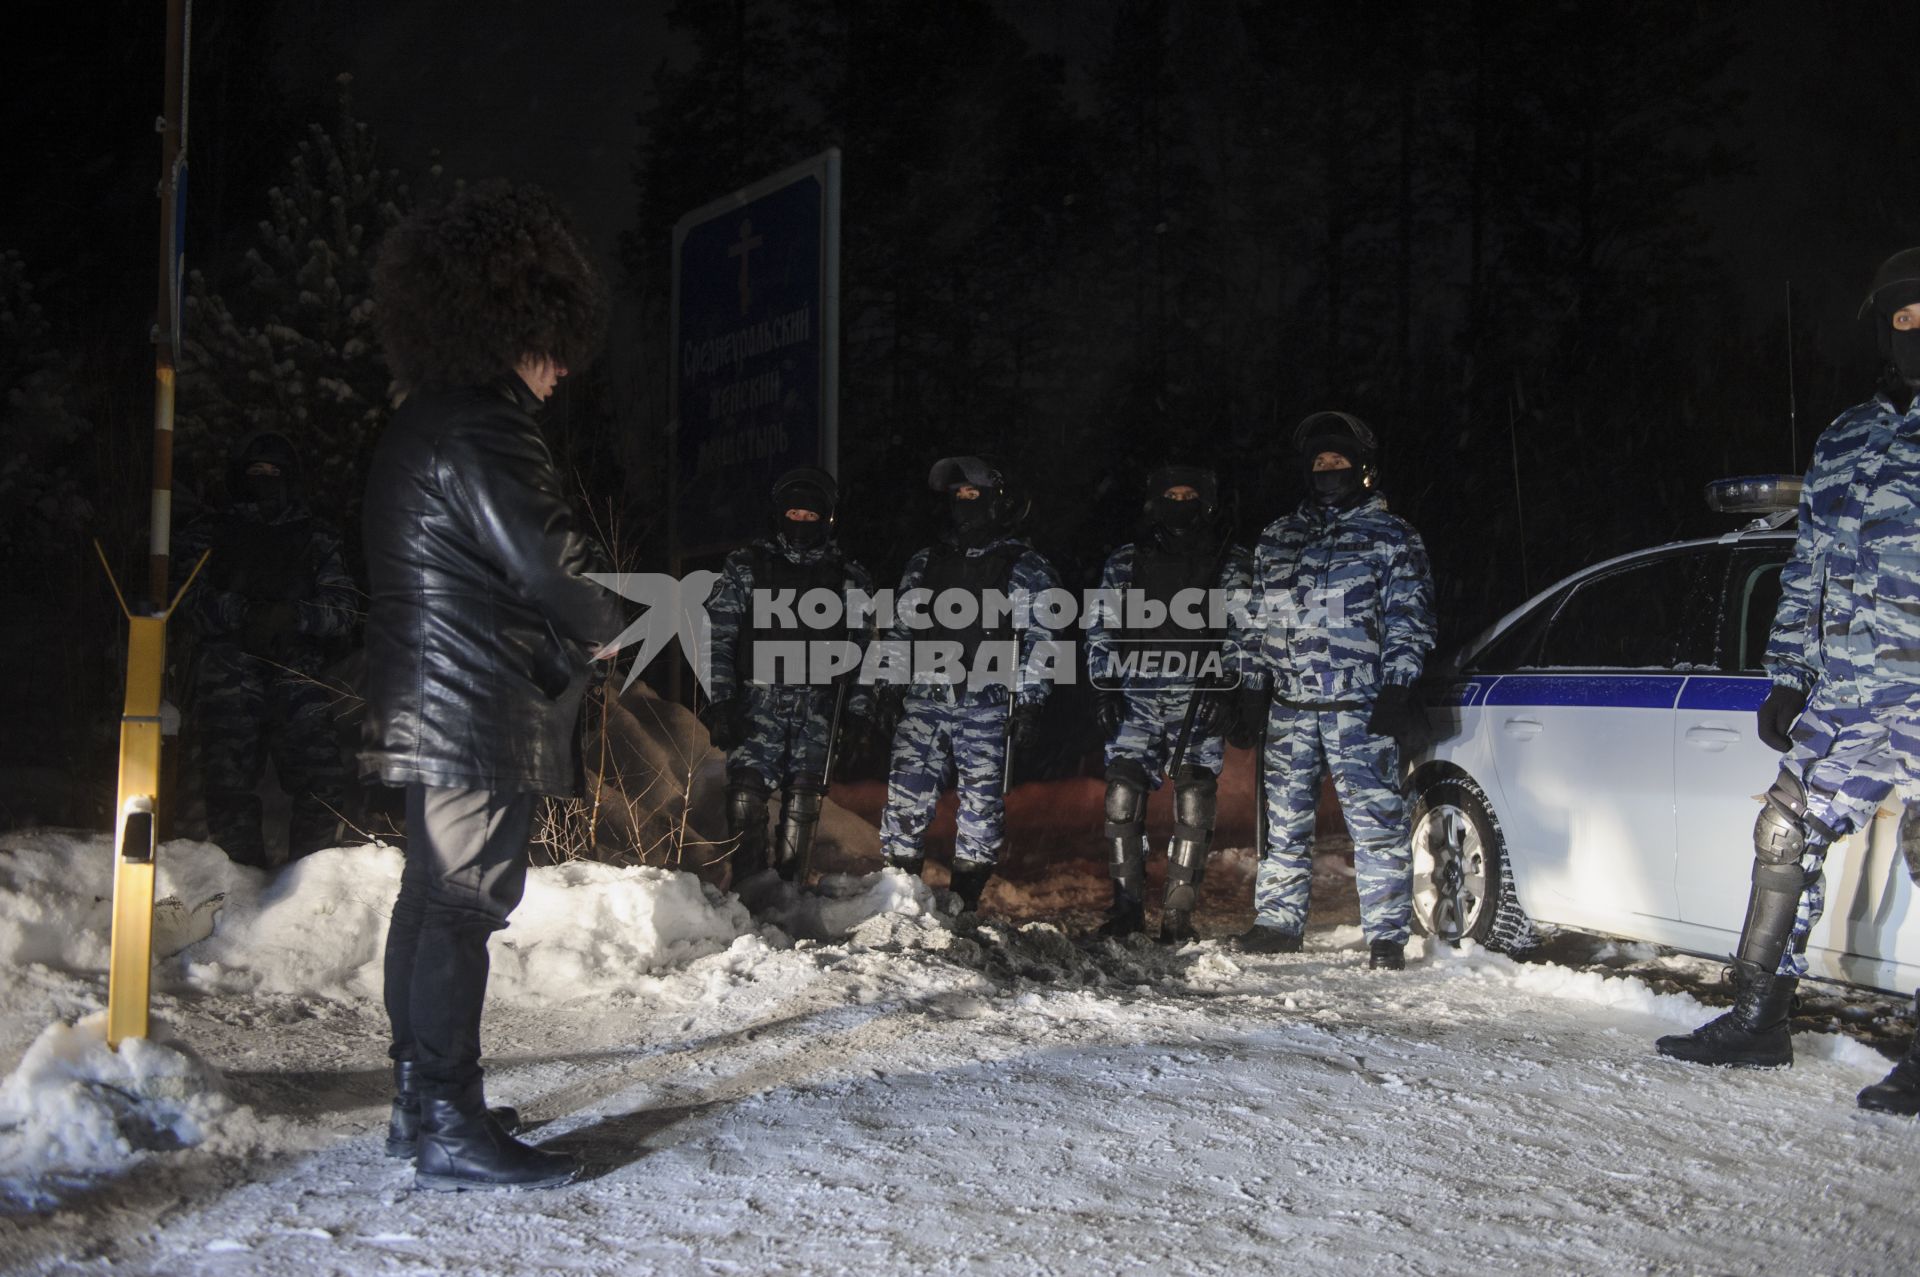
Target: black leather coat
x=480 y=622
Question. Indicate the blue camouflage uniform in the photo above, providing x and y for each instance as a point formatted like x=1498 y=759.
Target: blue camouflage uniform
x=944 y=723
x=274 y=591
x=1342 y=606
x=1156 y=705
x=787 y=720
x=1847 y=633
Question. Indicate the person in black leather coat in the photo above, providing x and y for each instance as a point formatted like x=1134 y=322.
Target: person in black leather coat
x=481 y=632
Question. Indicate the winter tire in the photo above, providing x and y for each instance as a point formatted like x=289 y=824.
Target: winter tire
x=1460 y=883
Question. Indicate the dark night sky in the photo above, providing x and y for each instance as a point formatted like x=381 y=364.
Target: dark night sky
x=549 y=91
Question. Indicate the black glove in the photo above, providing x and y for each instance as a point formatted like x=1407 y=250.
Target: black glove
x=1249 y=716
x=1209 y=713
x=1399 y=713
x=1025 y=729
x=1777 y=713
x=1393 y=712
x=727 y=723
x=1111 y=710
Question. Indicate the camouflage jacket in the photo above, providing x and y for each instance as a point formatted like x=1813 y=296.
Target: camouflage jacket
x=730 y=606
x=1038 y=656
x=1108 y=636
x=253 y=559
x=1342 y=604
x=1849 y=614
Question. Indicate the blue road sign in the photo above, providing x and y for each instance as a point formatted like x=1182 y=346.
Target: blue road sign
x=755 y=385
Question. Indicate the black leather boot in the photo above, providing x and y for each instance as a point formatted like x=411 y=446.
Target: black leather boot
x=461 y=1146
x=1753 y=1035
x=1126 y=916
x=1899 y=1091
x=1386 y=955
x=403 y=1124
x=1259 y=939
x=969 y=883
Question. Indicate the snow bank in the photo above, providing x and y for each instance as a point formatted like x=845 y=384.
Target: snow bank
x=319 y=926
x=75 y=1106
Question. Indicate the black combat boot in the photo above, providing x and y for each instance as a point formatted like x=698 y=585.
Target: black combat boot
x=1126 y=916
x=1259 y=939
x=1753 y=1035
x=403 y=1124
x=1386 y=955
x=969 y=882
x=1176 y=926
x=909 y=865
x=1899 y=1091
x=461 y=1146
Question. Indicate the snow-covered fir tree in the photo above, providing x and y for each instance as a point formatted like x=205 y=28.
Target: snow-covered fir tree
x=42 y=505
x=285 y=341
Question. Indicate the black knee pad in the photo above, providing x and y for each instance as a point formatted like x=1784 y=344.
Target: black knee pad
x=746 y=807
x=1127 y=787
x=803 y=799
x=1195 y=801
x=1780 y=834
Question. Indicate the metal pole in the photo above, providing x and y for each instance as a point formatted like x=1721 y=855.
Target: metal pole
x=137 y=812
x=172 y=126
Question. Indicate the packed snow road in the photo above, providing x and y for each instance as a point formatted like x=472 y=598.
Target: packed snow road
x=910 y=1097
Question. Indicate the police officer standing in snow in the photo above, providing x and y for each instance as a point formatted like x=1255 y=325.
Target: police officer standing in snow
x=774 y=724
x=1154 y=701
x=1844 y=658
x=274 y=591
x=1342 y=623
x=972 y=721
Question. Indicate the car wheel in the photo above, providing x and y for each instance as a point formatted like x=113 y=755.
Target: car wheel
x=1459 y=855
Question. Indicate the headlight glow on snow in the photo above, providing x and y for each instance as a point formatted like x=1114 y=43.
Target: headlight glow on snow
x=1754 y=494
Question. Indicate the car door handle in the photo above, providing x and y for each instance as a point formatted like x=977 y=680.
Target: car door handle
x=1713 y=738
x=1524 y=728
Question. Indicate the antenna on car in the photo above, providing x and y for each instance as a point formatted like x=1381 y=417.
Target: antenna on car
x=1793 y=404
x=1513 y=439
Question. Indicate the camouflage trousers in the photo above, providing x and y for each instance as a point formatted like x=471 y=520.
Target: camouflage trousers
x=1302 y=747
x=973 y=736
x=1848 y=760
x=1150 y=732
x=786 y=736
x=248 y=708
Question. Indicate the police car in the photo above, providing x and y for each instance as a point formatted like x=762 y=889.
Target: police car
x=1596 y=763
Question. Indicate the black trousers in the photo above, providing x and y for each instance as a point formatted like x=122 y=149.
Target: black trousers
x=466 y=870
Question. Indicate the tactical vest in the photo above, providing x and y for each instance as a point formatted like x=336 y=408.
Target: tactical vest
x=950 y=568
x=776 y=573
x=1159 y=574
x=264 y=561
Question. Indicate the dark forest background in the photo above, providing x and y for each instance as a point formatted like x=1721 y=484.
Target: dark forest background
x=1520 y=238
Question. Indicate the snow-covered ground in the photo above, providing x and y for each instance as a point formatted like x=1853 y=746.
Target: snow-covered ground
x=899 y=1095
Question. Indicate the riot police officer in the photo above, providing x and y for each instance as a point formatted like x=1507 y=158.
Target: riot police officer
x=975 y=690
x=768 y=711
x=1160 y=665
x=1844 y=658
x=1342 y=624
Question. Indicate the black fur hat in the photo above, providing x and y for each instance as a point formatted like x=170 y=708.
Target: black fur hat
x=467 y=289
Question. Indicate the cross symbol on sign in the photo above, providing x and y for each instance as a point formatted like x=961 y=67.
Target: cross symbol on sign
x=747 y=242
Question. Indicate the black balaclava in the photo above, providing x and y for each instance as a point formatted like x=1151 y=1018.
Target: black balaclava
x=1352 y=438
x=806 y=488
x=972 y=520
x=1180 y=525
x=1896 y=285
x=271 y=493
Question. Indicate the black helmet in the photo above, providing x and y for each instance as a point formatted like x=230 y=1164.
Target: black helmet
x=806 y=488
x=1340 y=432
x=1006 y=506
x=1199 y=478
x=1896 y=285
